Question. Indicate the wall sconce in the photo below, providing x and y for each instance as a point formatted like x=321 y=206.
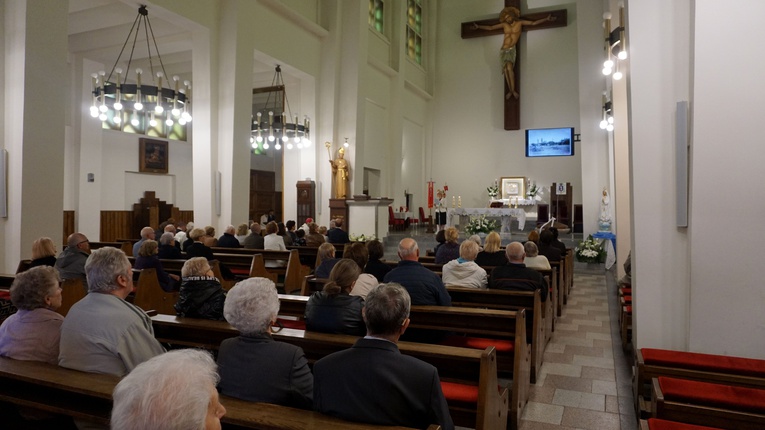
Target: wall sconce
x=346 y=144
x=615 y=43
x=607 y=123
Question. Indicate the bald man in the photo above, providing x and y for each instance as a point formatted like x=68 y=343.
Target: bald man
x=71 y=262
x=423 y=285
x=515 y=276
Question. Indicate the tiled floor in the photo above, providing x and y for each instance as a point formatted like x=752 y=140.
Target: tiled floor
x=585 y=381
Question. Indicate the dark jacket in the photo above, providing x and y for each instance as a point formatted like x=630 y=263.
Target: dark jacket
x=254 y=241
x=337 y=235
x=423 y=285
x=228 y=241
x=169 y=252
x=198 y=249
x=377 y=268
x=314 y=240
x=518 y=277
x=201 y=297
x=447 y=252
x=374 y=383
x=489 y=259
x=339 y=314
x=560 y=245
x=258 y=369
x=165 y=282
x=71 y=263
x=551 y=252
x=44 y=261
x=326 y=267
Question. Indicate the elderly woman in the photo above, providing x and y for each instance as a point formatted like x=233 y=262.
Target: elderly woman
x=450 y=250
x=477 y=239
x=201 y=295
x=375 y=266
x=273 y=241
x=148 y=259
x=533 y=260
x=359 y=253
x=253 y=366
x=33 y=333
x=326 y=254
x=314 y=238
x=43 y=252
x=197 y=248
x=491 y=255
x=334 y=310
x=167 y=249
x=463 y=272
x=241 y=233
x=210 y=240
x=172 y=391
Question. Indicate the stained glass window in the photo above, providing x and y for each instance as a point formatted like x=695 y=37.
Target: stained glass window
x=414 y=30
x=376 y=14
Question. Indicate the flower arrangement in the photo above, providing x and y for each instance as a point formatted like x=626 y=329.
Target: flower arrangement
x=480 y=225
x=361 y=237
x=533 y=192
x=590 y=251
x=493 y=190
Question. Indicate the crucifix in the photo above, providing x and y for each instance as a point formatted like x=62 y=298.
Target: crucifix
x=510 y=23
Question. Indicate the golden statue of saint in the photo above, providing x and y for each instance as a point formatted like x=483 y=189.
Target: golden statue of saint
x=341 y=174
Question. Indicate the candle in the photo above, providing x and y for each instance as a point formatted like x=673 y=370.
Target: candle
x=459 y=201
x=453 y=202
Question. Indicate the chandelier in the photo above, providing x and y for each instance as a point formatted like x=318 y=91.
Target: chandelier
x=120 y=102
x=271 y=124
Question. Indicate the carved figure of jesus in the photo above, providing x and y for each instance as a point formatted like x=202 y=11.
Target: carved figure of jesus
x=512 y=25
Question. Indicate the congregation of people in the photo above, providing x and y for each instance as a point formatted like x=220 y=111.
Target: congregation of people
x=363 y=296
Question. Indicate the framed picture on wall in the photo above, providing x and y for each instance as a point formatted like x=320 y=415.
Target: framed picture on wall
x=513 y=187
x=152 y=156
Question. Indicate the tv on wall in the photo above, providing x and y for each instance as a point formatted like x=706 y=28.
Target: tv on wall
x=550 y=142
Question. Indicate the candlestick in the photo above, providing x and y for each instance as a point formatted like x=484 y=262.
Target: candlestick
x=453 y=202
x=459 y=201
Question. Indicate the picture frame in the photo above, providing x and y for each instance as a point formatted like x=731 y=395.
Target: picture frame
x=153 y=156
x=513 y=187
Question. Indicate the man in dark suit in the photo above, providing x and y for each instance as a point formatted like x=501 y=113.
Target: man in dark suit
x=515 y=276
x=372 y=382
x=254 y=240
x=336 y=234
x=228 y=240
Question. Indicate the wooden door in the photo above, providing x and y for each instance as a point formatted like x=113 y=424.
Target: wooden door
x=263 y=196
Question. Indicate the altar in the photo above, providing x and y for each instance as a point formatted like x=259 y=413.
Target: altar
x=504 y=214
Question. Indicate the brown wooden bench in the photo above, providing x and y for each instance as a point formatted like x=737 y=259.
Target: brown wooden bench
x=88 y=396
x=72 y=291
x=268 y=264
x=458 y=365
x=149 y=295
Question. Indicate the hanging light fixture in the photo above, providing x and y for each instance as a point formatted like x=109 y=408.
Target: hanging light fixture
x=271 y=124
x=607 y=123
x=615 y=43
x=119 y=101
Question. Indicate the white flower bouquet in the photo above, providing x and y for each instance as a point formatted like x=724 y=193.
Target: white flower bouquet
x=361 y=237
x=590 y=251
x=480 y=225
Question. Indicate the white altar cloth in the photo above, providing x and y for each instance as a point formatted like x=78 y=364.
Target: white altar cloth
x=504 y=214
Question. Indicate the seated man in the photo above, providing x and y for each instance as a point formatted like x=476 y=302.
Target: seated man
x=372 y=382
x=463 y=271
x=254 y=240
x=422 y=284
x=71 y=262
x=173 y=391
x=229 y=240
x=515 y=276
x=103 y=333
x=147 y=233
x=337 y=234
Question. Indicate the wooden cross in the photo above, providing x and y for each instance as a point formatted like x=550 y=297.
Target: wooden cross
x=512 y=104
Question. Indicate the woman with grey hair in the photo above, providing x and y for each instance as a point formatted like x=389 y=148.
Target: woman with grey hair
x=168 y=249
x=464 y=272
x=254 y=366
x=477 y=239
x=533 y=260
x=33 y=333
x=201 y=294
x=172 y=391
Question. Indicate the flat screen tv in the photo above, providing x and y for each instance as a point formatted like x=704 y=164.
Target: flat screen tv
x=550 y=142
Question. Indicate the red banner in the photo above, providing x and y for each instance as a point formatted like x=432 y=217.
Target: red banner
x=430 y=194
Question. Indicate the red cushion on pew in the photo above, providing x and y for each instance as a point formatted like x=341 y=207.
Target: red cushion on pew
x=240 y=271
x=5 y=295
x=459 y=392
x=626 y=291
x=657 y=424
x=708 y=362
x=479 y=343
x=297 y=325
x=714 y=395
x=628 y=309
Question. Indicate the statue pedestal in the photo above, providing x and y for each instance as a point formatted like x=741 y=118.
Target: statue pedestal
x=368 y=217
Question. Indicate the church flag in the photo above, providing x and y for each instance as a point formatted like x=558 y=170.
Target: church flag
x=430 y=194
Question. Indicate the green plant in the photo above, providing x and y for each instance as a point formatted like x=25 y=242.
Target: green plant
x=590 y=251
x=481 y=225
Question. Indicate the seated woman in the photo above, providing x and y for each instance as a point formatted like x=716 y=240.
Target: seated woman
x=273 y=241
x=282 y=231
x=374 y=266
x=253 y=366
x=533 y=260
x=491 y=255
x=450 y=250
x=358 y=252
x=167 y=248
x=313 y=238
x=241 y=233
x=477 y=239
x=440 y=239
x=148 y=259
x=43 y=252
x=334 y=310
x=463 y=272
x=534 y=236
x=210 y=240
x=201 y=295
x=197 y=248
x=326 y=254
x=33 y=333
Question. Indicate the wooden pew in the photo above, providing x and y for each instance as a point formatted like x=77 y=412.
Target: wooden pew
x=256 y=265
x=88 y=396
x=150 y=296
x=459 y=365
x=700 y=405
x=97 y=245
x=72 y=291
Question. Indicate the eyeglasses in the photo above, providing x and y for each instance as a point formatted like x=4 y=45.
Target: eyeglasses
x=278 y=327
x=84 y=241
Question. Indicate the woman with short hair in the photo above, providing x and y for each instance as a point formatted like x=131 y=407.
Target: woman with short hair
x=43 y=252
x=314 y=238
x=201 y=294
x=492 y=255
x=33 y=333
x=327 y=260
x=210 y=240
x=253 y=366
x=334 y=310
x=241 y=233
x=273 y=241
x=359 y=253
x=463 y=272
x=148 y=259
x=450 y=250
x=533 y=260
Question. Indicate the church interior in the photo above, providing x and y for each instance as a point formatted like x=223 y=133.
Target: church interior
x=413 y=102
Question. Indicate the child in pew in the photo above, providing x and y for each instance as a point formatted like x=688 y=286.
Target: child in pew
x=201 y=294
